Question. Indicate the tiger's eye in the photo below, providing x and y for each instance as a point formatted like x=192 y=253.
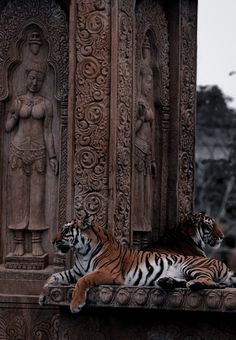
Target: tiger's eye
x=208 y=226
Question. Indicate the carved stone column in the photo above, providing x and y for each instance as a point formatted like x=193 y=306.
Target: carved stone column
x=188 y=43
x=92 y=107
x=110 y=41
x=182 y=18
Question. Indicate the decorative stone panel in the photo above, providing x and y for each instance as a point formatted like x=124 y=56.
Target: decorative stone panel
x=34 y=36
x=221 y=300
x=92 y=104
x=188 y=43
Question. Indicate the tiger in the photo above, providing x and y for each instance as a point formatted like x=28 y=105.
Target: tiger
x=101 y=259
x=191 y=236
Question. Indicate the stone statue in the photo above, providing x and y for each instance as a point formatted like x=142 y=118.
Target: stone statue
x=30 y=121
x=145 y=165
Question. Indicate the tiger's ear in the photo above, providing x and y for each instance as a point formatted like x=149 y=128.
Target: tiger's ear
x=87 y=222
x=190 y=220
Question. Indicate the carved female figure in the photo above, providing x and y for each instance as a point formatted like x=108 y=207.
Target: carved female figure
x=30 y=121
x=145 y=166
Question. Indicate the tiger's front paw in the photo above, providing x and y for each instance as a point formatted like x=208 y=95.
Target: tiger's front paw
x=195 y=285
x=76 y=308
x=166 y=283
x=169 y=283
x=78 y=300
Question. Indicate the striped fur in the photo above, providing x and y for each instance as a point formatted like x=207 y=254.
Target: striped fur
x=190 y=237
x=100 y=259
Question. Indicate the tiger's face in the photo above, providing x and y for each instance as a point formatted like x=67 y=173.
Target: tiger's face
x=74 y=235
x=209 y=231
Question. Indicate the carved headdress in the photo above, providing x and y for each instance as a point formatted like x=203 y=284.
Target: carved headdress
x=36 y=66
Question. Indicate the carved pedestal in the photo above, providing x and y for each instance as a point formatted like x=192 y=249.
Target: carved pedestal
x=26 y=262
x=23 y=281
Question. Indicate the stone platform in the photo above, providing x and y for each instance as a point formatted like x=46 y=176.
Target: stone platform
x=121 y=313
x=217 y=300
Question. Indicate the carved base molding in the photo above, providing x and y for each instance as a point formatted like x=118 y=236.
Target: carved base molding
x=22 y=318
x=220 y=300
x=26 y=262
x=23 y=282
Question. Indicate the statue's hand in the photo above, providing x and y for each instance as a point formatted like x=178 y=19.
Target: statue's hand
x=11 y=122
x=54 y=165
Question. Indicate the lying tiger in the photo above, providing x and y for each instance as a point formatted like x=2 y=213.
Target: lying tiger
x=100 y=259
x=190 y=237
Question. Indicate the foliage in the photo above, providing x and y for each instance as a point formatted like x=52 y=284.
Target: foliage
x=215 y=171
x=213 y=109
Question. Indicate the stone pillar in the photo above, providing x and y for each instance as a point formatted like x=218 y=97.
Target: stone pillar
x=134 y=154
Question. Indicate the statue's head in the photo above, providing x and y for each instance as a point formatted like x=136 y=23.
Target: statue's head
x=35 y=75
x=146 y=48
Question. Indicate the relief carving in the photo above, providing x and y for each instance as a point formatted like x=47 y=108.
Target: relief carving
x=30 y=326
x=30 y=118
x=122 y=211
x=33 y=94
x=92 y=108
x=19 y=13
x=145 y=163
x=151 y=122
x=187 y=107
x=141 y=21
x=220 y=300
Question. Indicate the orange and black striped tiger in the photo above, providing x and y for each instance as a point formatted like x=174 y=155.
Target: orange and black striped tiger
x=190 y=237
x=100 y=259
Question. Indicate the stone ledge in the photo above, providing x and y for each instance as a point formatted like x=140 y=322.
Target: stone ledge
x=217 y=300
x=23 y=282
x=26 y=262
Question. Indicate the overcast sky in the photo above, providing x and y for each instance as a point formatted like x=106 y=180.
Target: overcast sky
x=217 y=45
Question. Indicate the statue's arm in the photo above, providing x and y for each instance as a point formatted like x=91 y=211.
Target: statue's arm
x=49 y=137
x=140 y=116
x=13 y=116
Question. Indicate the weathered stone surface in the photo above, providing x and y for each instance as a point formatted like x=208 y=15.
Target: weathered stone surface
x=34 y=112
x=29 y=321
x=95 y=94
x=221 y=300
